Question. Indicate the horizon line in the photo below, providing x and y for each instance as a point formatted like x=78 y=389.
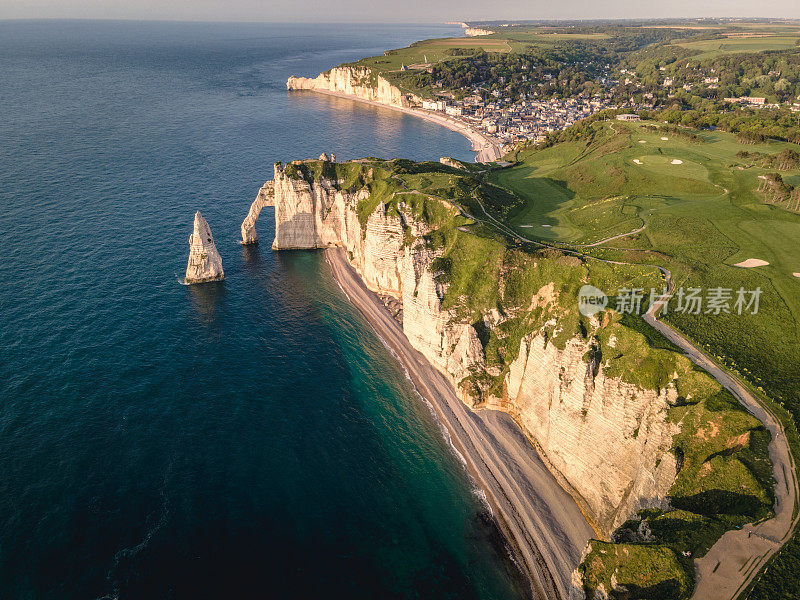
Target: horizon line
x=453 y=22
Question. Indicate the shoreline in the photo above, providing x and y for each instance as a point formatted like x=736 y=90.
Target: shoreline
x=541 y=522
x=487 y=150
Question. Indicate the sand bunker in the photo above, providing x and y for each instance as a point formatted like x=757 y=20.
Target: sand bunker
x=676 y=161
x=752 y=262
x=642 y=142
x=796 y=274
x=664 y=139
x=637 y=161
x=546 y=225
x=526 y=226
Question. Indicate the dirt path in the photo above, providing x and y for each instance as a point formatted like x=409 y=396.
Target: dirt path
x=540 y=520
x=610 y=239
x=740 y=554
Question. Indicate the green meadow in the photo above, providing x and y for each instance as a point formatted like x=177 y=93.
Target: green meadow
x=701 y=217
x=730 y=45
x=701 y=213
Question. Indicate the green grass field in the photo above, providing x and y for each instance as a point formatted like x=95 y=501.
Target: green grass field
x=730 y=45
x=435 y=50
x=701 y=216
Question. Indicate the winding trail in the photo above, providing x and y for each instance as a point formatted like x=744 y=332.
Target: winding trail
x=540 y=520
x=721 y=573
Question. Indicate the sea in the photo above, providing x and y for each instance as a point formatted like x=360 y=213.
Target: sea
x=245 y=439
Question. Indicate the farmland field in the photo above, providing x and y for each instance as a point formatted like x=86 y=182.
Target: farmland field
x=729 y=45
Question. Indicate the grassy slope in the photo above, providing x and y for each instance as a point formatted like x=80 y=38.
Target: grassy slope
x=646 y=572
x=693 y=228
x=698 y=231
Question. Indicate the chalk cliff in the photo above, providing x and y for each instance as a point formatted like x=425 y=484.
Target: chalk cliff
x=607 y=440
x=360 y=82
x=610 y=440
x=205 y=263
x=477 y=31
x=264 y=198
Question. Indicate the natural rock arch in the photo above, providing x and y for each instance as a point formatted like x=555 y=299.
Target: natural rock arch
x=265 y=197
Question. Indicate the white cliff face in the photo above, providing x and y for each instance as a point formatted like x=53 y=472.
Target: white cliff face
x=608 y=439
x=476 y=31
x=355 y=81
x=381 y=250
x=265 y=197
x=314 y=215
x=205 y=263
x=317 y=215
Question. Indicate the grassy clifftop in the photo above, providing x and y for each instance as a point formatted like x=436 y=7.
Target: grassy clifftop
x=692 y=200
x=697 y=203
x=508 y=289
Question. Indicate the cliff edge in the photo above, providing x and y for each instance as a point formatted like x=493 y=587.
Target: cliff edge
x=360 y=82
x=660 y=458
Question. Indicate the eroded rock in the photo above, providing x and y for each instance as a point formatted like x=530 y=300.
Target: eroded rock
x=205 y=263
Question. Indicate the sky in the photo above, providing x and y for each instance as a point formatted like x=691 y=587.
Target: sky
x=401 y=11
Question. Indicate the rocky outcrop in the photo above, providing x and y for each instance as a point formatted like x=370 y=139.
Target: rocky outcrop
x=205 y=263
x=315 y=215
x=608 y=441
x=360 y=82
x=264 y=198
x=452 y=162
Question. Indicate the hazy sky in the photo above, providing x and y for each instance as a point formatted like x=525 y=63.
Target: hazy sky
x=389 y=10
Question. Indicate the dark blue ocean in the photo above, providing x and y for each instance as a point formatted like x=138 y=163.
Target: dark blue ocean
x=247 y=439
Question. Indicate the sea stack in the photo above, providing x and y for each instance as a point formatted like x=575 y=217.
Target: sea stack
x=205 y=263
x=264 y=198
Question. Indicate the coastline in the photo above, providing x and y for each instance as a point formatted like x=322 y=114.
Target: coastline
x=542 y=523
x=487 y=150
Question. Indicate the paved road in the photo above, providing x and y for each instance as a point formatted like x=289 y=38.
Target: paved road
x=539 y=518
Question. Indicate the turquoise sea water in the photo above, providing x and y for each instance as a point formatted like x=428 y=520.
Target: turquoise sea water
x=248 y=439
